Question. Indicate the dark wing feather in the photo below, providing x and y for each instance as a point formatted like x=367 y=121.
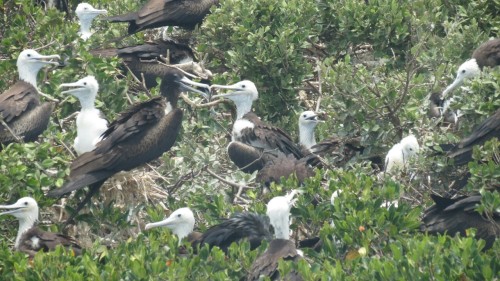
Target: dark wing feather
x=284 y=166
x=457 y=215
x=267 y=264
x=253 y=227
x=18 y=99
x=36 y=239
x=272 y=137
x=248 y=158
x=488 y=54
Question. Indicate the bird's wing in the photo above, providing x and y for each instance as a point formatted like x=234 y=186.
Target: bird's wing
x=46 y=241
x=156 y=11
x=19 y=98
x=488 y=129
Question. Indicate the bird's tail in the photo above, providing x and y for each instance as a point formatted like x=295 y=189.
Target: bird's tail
x=79 y=183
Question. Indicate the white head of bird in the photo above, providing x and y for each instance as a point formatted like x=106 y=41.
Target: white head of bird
x=26 y=212
x=30 y=62
x=307 y=123
x=468 y=69
x=243 y=94
x=181 y=222
x=400 y=153
x=410 y=147
x=278 y=211
x=86 y=14
x=84 y=89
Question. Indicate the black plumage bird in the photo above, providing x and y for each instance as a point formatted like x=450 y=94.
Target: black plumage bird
x=140 y=134
x=250 y=226
x=457 y=215
x=158 y=13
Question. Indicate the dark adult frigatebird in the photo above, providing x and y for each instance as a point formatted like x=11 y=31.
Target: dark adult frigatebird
x=158 y=13
x=266 y=265
x=86 y=14
x=399 y=155
x=453 y=216
x=342 y=149
x=30 y=239
x=250 y=132
x=461 y=153
x=140 y=134
x=20 y=107
x=140 y=58
x=488 y=54
x=239 y=226
x=90 y=122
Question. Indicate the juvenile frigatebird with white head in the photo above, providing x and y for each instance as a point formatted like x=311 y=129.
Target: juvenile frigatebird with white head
x=342 y=149
x=488 y=54
x=20 y=106
x=239 y=226
x=86 y=14
x=140 y=134
x=90 y=123
x=31 y=239
x=278 y=211
x=249 y=133
x=399 y=155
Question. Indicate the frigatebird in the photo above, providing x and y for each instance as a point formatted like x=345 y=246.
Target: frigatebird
x=456 y=215
x=24 y=116
x=158 y=13
x=90 y=122
x=250 y=133
x=140 y=134
x=488 y=54
x=439 y=107
x=266 y=265
x=86 y=14
x=399 y=155
x=30 y=239
x=239 y=226
x=461 y=153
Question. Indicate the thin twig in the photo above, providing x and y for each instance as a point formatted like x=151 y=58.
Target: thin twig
x=18 y=139
x=200 y=105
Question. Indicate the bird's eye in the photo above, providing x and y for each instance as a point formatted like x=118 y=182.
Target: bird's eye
x=243 y=86
x=411 y=149
x=26 y=203
x=29 y=55
x=179 y=215
x=85 y=83
x=463 y=71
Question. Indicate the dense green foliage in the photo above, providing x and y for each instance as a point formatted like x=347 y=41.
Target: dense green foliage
x=284 y=47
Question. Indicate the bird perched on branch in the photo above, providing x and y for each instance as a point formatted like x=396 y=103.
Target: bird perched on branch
x=454 y=216
x=30 y=239
x=158 y=13
x=23 y=116
x=399 y=155
x=239 y=226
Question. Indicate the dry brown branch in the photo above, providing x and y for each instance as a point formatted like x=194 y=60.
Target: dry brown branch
x=200 y=105
x=18 y=139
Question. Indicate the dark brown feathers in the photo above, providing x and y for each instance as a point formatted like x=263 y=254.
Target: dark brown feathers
x=20 y=108
x=158 y=13
x=488 y=54
x=248 y=158
x=269 y=136
x=35 y=240
x=250 y=226
x=462 y=152
x=267 y=264
x=457 y=215
x=284 y=166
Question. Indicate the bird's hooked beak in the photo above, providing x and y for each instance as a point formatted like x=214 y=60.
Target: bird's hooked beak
x=187 y=83
x=452 y=86
x=46 y=59
x=168 y=222
x=77 y=87
x=13 y=208
x=97 y=12
x=226 y=87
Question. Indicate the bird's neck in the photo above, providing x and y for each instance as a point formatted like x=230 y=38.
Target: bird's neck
x=242 y=108
x=281 y=227
x=85 y=29
x=183 y=231
x=25 y=224
x=87 y=103
x=28 y=74
x=306 y=136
